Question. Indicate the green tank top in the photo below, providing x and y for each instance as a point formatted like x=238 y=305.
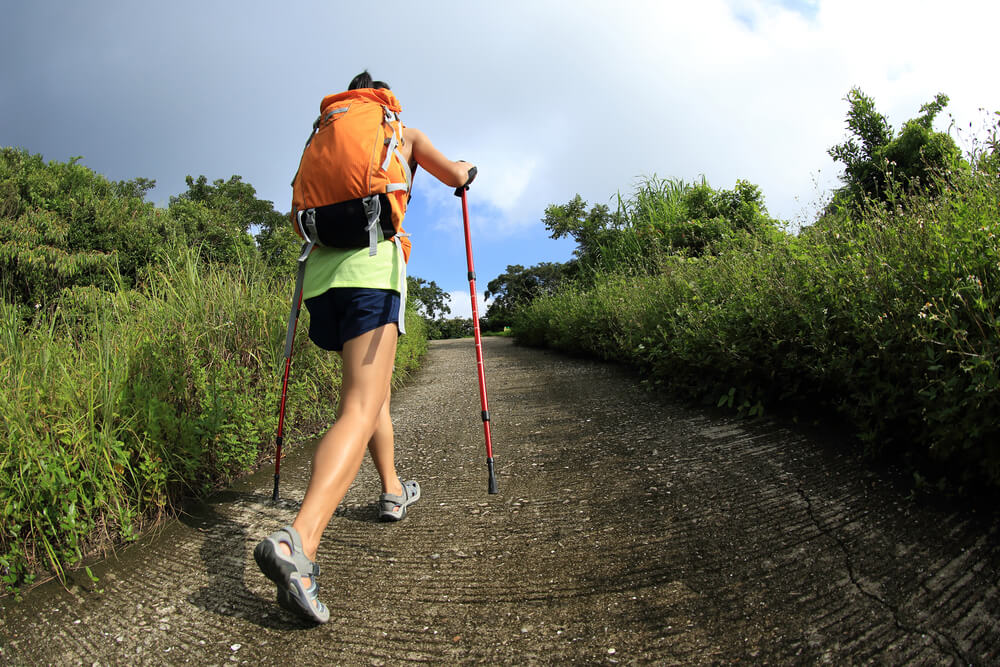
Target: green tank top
x=354 y=267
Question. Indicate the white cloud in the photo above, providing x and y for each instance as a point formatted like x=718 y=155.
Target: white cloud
x=511 y=176
x=549 y=102
x=461 y=304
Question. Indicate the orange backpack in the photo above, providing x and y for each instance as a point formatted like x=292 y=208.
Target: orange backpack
x=353 y=184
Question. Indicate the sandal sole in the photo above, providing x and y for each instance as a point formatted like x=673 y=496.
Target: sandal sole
x=291 y=602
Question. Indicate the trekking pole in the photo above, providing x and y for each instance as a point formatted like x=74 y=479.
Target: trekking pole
x=293 y=324
x=460 y=192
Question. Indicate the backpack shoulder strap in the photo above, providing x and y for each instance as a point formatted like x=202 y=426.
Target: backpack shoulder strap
x=394 y=143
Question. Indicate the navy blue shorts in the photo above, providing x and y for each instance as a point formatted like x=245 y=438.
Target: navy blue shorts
x=342 y=313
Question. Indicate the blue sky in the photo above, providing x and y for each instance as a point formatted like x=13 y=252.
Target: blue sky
x=548 y=98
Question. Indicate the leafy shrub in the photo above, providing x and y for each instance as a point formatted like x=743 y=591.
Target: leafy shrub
x=62 y=225
x=877 y=162
x=452 y=327
x=661 y=218
x=121 y=404
x=889 y=317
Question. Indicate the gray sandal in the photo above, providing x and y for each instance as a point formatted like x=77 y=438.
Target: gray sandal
x=393 y=507
x=287 y=573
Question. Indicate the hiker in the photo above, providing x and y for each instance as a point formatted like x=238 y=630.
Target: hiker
x=354 y=299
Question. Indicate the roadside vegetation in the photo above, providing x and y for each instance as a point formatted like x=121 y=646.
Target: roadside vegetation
x=141 y=348
x=884 y=313
x=141 y=355
x=432 y=304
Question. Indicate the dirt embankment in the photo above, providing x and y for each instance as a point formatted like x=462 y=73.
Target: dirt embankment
x=627 y=529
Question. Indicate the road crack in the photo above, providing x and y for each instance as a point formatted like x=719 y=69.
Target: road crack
x=943 y=641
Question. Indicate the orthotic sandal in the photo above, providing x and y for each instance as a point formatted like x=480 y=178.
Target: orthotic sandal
x=287 y=573
x=393 y=507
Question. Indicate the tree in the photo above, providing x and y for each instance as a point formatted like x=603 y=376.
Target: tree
x=199 y=225
x=660 y=217
x=876 y=161
x=869 y=131
x=454 y=327
x=429 y=299
x=585 y=227
x=278 y=243
x=219 y=217
x=516 y=287
x=62 y=225
x=919 y=153
x=234 y=200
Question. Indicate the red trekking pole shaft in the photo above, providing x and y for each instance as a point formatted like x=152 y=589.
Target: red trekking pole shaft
x=293 y=324
x=279 y=439
x=460 y=192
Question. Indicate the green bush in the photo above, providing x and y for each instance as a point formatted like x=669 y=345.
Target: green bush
x=661 y=218
x=119 y=405
x=452 y=327
x=62 y=225
x=878 y=163
x=888 y=316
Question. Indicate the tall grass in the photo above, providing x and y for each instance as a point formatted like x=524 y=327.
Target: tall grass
x=889 y=317
x=120 y=405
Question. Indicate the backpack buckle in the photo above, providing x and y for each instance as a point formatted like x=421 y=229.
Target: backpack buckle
x=373 y=211
x=307 y=224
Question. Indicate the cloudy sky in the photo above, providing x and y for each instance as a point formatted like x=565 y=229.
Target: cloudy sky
x=548 y=98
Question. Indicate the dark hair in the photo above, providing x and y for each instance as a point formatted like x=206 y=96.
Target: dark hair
x=364 y=80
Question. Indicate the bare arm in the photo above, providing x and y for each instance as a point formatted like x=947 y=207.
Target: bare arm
x=451 y=173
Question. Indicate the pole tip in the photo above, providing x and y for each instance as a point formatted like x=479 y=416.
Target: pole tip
x=493 y=478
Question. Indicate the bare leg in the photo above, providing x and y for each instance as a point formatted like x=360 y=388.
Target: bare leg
x=381 y=447
x=367 y=372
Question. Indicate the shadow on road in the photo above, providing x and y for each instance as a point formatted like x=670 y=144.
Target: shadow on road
x=222 y=554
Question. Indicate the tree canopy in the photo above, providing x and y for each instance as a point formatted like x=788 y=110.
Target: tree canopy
x=430 y=300
x=517 y=286
x=64 y=226
x=876 y=159
x=660 y=217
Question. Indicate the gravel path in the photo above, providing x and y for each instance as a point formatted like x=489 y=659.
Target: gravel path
x=627 y=529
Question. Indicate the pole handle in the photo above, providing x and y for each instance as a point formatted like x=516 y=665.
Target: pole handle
x=462 y=188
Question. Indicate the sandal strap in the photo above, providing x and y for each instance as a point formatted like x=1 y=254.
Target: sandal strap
x=409 y=490
x=302 y=562
x=294 y=539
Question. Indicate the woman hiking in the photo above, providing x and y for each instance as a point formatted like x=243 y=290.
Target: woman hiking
x=353 y=298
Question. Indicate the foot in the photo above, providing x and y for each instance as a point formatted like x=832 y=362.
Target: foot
x=392 y=506
x=281 y=559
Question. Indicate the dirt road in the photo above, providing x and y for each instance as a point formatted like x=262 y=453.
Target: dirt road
x=627 y=530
